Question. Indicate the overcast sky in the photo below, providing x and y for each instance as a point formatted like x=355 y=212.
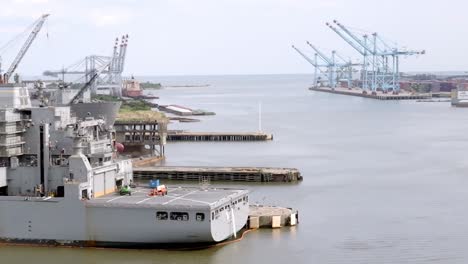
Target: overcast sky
x=193 y=37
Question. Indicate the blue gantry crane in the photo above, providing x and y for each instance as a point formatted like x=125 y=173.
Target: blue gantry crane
x=318 y=68
x=330 y=64
x=333 y=67
x=380 y=68
x=338 y=67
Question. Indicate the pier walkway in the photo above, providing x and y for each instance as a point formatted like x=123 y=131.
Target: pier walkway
x=235 y=174
x=378 y=96
x=218 y=136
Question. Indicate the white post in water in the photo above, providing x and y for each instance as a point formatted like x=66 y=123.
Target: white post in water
x=259 y=116
x=233 y=221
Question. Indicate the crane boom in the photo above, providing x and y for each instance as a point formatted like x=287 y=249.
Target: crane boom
x=342 y=58
x=25 y=47
x=83 y=89
x=350 y=42
x=89 y=83
x=306 y=57
x=325 y=58
x=354 y=37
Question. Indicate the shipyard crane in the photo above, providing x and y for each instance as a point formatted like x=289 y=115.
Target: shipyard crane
x=111 y=75
x=347 y=69
x=383 y=75
x=313 y=62
x=317 y=67
x=338 y=69
x=393 y=80
x=321 y=54
x=331 y=65
x=83 y=89
x=361 y=50
x=89 y=83
x=32 y=36
x=362 y=43
x=373 y=50
x=363 y=46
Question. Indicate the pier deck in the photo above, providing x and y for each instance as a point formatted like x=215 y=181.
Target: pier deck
x=378 y=96
x=218 y=136
x=236 y=174
x=271 y=216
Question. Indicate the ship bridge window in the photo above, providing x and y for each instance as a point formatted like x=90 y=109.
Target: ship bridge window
x=200 y=217
x=161 y=215
x=179 y=216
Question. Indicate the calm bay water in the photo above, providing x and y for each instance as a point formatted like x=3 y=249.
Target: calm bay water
x=384 y=182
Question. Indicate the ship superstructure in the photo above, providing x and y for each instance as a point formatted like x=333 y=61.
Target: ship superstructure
x=58 y=180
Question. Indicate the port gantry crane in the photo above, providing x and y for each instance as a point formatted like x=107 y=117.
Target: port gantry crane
x=383 y=75
x=339 y=70
x=331 y=65
x=4 y=78
x=113 y=67
x=346 y=70
x=335 y=70
x=314 y=62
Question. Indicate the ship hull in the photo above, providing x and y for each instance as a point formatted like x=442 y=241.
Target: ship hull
x=60 y=221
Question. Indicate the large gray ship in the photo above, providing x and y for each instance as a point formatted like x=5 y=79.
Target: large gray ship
x=59 y=181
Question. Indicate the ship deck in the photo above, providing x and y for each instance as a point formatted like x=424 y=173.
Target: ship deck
x=176 y=196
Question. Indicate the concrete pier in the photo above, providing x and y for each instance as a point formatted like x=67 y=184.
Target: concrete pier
x=235 y=174
x=271 y=217
x=378 y=96
x=218 y=136
x=146 y=161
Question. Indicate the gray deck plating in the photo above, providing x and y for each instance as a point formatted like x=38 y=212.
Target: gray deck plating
x=181 y=197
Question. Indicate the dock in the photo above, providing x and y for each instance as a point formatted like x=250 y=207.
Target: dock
x=183 y=111
x=232 y=174
x=146 y=161
x=218 y=136
x=378 y=96
x=271 y=217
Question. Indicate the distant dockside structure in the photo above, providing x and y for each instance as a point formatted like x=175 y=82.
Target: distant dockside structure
x=234 y=174
x=379 y=95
